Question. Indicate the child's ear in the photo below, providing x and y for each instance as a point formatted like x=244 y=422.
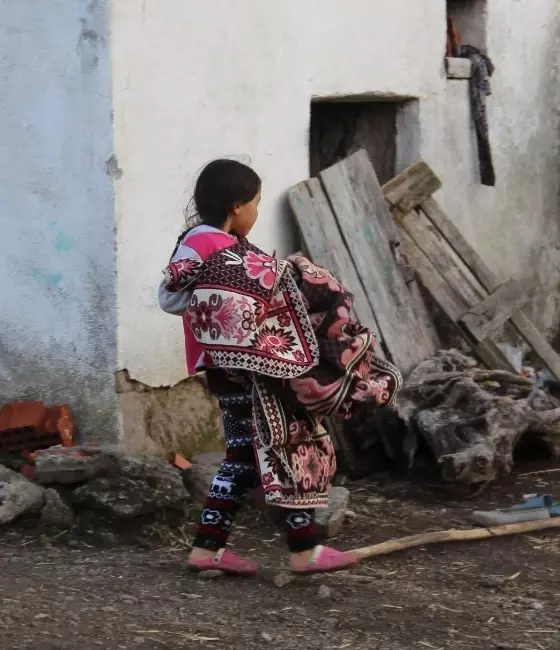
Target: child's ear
x=236 y=209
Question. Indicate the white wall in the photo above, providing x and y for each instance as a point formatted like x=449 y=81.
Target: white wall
x=516 y=226
x=57 y=253
x=198 y=80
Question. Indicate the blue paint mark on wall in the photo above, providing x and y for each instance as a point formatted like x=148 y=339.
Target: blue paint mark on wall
x=53 y=280
x=62 y=243
x=57 y=259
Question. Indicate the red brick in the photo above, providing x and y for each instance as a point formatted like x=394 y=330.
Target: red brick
x=66 y=427
x=22 y=415
x=180 y=462
x=28 y=426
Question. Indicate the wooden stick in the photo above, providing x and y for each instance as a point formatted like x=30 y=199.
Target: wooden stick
x=541 y=471
x=454 y=535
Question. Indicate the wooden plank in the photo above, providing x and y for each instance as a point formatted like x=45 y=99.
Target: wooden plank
x=489 y=316
x=414 y=287
x=367 y=191
x=410 y=188
x=434 y=246
x=541 y=347
x=450 y=301
x=367 y=226
x=459 y=244
x=488 y=280
x=323 y=240
x=458 y=68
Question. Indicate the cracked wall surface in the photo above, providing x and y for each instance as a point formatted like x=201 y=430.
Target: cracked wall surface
x=57 y=248
x=183 y=418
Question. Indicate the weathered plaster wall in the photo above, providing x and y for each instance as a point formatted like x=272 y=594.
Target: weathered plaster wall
x=57 y=257
x=516 y=226
x=184 y=419
x=193 y=81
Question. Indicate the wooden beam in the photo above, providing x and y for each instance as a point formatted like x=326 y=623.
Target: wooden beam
x=447 y=298
x=409 y=189
x=366 y=223
x=488 y=280
x=459 y=244
x=452 y=302
x=489 y=316
x=434 y=246
x=458 y=68
x=323 y=240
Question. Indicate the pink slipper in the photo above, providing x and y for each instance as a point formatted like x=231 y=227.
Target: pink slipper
x=226 y=561
x=327 y=560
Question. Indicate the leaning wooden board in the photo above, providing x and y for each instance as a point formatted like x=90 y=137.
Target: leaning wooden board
x=469 y=293
x=323 y=241
x=370 y=236
x=347 y=226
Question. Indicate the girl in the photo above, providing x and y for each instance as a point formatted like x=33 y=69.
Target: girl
x=280 y=352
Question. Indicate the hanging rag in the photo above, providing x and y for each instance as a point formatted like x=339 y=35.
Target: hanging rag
x=482 y=70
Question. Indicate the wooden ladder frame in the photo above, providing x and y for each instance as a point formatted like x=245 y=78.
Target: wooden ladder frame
x=456 y=276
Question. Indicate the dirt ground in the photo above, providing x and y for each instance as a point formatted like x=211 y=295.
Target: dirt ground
x=498 y=594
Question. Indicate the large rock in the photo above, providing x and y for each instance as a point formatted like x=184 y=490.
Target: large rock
x=56 y=512
x=331 y=518
x=142 y=486
x=113 y=481
x=70 y=465
x=18 y=496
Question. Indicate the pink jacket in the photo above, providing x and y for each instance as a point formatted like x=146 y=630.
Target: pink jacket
x=198 y=244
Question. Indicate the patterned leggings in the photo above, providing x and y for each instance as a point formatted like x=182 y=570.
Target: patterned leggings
x=239 y=475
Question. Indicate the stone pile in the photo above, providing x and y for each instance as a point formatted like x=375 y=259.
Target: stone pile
x=67 y=484
x=66 y=481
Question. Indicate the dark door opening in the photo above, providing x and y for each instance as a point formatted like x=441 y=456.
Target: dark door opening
x=339 y=129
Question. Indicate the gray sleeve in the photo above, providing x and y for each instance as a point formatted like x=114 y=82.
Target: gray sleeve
x=173 y=302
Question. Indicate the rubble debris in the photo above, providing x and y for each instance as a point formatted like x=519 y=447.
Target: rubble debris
x=18 y=496
x=180 y=462
x=94 y=478
x=70 y=465
x=324 y=592
x=283 y=579
x=211 y=574
x=27 y=426
x=56 y=513
x=111 y=481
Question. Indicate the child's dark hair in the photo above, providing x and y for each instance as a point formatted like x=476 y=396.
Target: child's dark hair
x=222 y=185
